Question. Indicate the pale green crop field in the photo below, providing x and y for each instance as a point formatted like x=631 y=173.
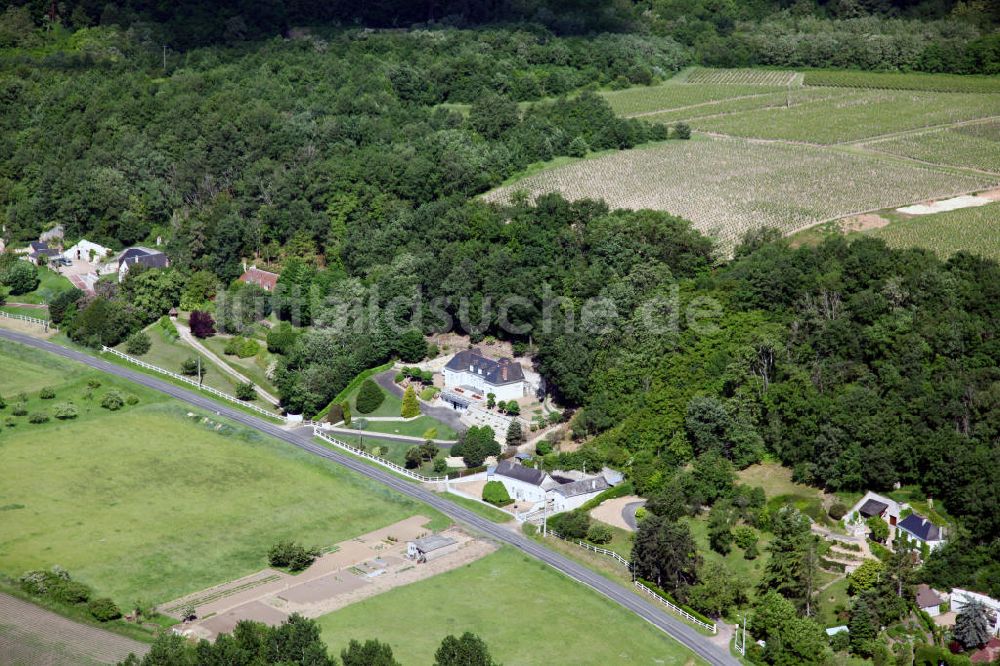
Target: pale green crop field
x=634 y=101
x=857 y=115
x=975 y=230
x=974 y=146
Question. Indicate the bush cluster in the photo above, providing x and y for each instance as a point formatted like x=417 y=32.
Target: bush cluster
x=295 y=557
x=112 y=401
x=370 y=397
x=496 y=494
x=241 y=347
x=57 y=584
x=571 y=525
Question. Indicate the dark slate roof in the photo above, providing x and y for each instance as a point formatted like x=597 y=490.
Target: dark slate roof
x=920 y=527
x=143 y=257
x=927 y=598
x=38 y=246
x=582 y=487
x=873 y=508
x=498 y=373
x=514 y=471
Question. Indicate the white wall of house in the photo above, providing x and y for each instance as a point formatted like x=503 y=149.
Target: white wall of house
x=933 y=545
x=561 y=503
x=520 y=490
x=477 y=381
x=84 y=248
x=933 y=611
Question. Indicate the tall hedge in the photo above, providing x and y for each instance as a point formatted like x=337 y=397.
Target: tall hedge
x=370 y=397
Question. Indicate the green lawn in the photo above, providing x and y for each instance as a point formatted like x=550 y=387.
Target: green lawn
x=415 y=428
x=829 y=602
x=777 y=483
x=391 y=405
x=170 y=354
x=525 y=611
x=36 y=313
x=148 y=503
x=748 y=570
x=253 y=368
x=49 y=284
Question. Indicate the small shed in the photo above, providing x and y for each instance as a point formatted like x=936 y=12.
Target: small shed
x=430 y=548
x=928 y=600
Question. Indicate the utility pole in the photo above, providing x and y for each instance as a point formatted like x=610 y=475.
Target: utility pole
x=545 y=514
x=199 y=372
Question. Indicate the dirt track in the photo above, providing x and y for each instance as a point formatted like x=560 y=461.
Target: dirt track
x=33 y=636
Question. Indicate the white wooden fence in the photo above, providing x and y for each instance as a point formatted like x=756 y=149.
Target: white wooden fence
x=601 y=551
x=677 y=609
x=399 y=469
x=49 y=326
x=192 y=382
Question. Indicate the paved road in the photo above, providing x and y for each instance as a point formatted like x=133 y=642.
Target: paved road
x=628 y=514
x=683 y=633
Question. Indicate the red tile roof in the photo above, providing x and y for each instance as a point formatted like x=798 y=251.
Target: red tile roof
x=264 y=279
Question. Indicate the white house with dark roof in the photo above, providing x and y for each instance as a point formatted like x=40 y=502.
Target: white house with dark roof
x=569 y=496
x=928 y=600
x=918 y=528
x=872 y=504
x=525 y=484
x=469 y=369
x=140 y=256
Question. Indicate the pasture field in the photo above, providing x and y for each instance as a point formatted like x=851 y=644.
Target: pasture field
x=753 y=77
x=503 y=598
x=169 y=354
x=856 y=115
x=726 y=186
x=253 y=368
x=148 y=503
x=904 y=81
x=974 y=146
x=49 y=284
x=670 y=95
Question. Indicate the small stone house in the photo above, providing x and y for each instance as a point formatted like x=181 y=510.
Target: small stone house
x=430 y=547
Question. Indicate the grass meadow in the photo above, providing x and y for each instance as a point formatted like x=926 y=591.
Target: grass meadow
x=148 y=503
x=523 y=609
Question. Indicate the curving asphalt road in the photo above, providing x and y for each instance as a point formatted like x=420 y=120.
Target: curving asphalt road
x=682 y=633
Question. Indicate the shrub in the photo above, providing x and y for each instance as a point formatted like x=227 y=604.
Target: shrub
x=440 y=465
x=370 y=397
x=47 y=393
x=66 y=410
x=19 y=409
x=10 y=422
x=281 y=338
x=495 y=493
x=3 y=403
x=71 y=592
x=599 y=534
x=167 y=328
x=837 y=510
x=640 y=514
x=428 y=393
x=543 y=448
x=399 y=377
x=745 y=537
x=202 y=324
x=104 y=609
x=190 y=367
x=19 y=276
x=572 y=525
x=241 y=347
x=38 y=417
x=291 y=555
x=112 y=401
x=138 y=344
x=410 y=406
x=93 y=383
x=131 y=400
x=512 y=408
x=682 y=131
x=246 y=391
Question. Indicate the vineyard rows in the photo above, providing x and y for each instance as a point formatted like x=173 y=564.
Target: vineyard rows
x=974 y=146
x=755 y=77
x=786 y=98
x=856 y=115
x=968 y=229
x=905 y=81
x=728 y=186
x=634 y=101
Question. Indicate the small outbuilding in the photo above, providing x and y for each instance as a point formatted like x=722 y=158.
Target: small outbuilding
x=430 y=548
x=928 y=600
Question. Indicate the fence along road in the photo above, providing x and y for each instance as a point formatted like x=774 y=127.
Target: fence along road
x=676 y=629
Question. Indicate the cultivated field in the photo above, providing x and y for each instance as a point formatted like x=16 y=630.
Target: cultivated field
x=727 y=186
x=855 y=115
x=904 y=81
x=525 y=611
x=969 y=229
x=670 y=95
x=975 y=146
x=783 y=99
x=758 y=77
x=148 y=503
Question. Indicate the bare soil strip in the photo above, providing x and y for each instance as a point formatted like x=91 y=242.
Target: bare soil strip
x=32 y=635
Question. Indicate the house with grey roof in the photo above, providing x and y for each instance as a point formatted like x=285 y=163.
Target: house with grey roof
x=523 y=483
x=39 y=253
x=470 y=369
x=569 y=496
x=921 y=530
x=140 y=256
x=928 y=600
x=430 y=547
x=872 y=504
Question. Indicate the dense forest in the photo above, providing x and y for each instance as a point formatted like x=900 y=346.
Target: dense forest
x=337 y=153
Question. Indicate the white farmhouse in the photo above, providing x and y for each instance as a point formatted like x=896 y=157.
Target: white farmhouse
x=140 y=256
x=471 y=370
x=88 y=251
x=569 y=496
x=523 y=483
